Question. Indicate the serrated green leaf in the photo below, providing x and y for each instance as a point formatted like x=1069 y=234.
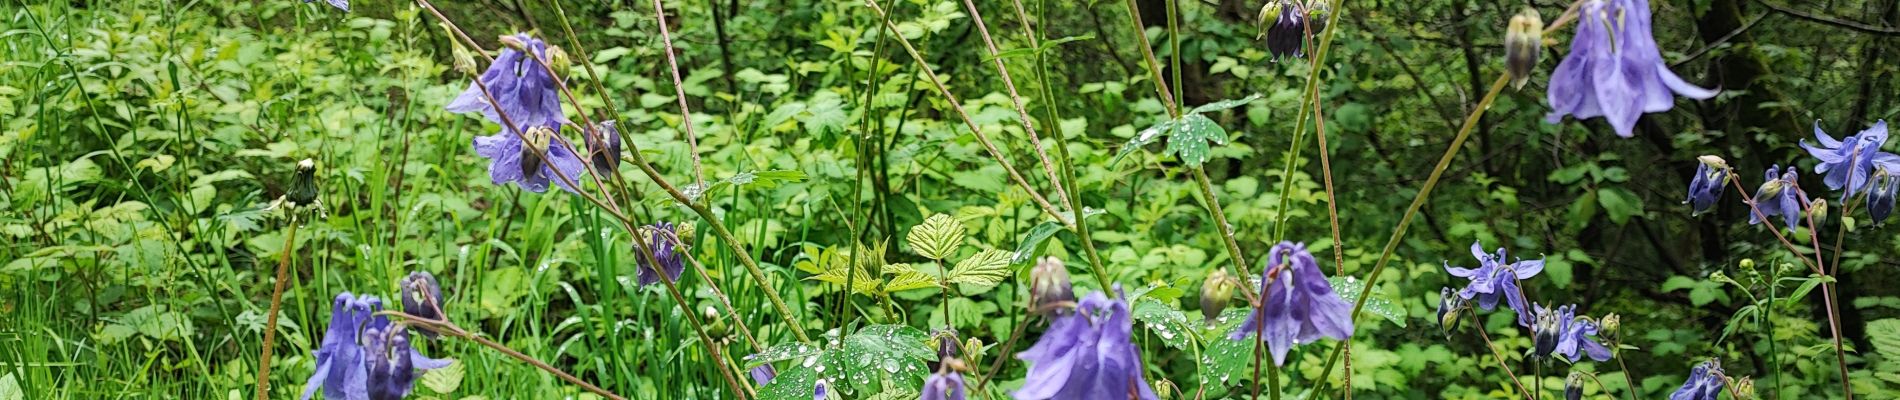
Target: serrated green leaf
x=782 y=352
x=1225 y=104
x=446 y=379
x=1190 y=137
x=904 y=277
x=1143 y=138
x=936 y=238
x=986 y=268
x=1381 y=304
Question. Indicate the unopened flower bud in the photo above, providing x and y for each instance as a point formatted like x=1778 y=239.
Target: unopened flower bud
x=1216 y=292
x=1164 y=389
x=603 y=147
x=1881 y=194
x=684 y=232
x=1817 y=209
x=1522 y=44
x=513 y=42
x=1745 y=388
x=464 y=60
x=1449 y=307
x=1050 y=291
x=945 y=340
x=1719 y=277
x=1573 y=386
x=715 y=326
x=422 y=297
x=558 y=60
x=1747 y=264
x=303 y=186
x=1609 y=324
x=1286 y=34
x=1546 y=326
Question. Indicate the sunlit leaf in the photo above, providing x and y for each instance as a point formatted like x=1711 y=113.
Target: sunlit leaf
x=936 y=238
x=986 y=268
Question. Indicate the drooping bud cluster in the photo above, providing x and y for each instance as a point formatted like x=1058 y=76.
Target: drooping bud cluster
x=1050 y=292
x=1711 y=176
x=1522 y=44
x=1449 y=306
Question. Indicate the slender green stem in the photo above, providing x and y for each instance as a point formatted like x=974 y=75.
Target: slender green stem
x=1405 y=220
x=276 y=303
x=1495 y=354
x=450 y=329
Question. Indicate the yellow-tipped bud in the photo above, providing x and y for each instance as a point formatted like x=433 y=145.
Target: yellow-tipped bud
x=1522 y=44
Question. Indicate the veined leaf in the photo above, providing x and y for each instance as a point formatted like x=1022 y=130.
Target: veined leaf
x=904 y=277
x=1224 y=105
x=1190 y=137
x=986 y=268
x=937 y=237
x=1348 y=289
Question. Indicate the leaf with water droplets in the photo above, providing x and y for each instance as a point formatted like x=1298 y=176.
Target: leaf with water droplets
x=1032 y=242
x=893 y=351
x=782 y=352
x=1190 y=139
x=1349 y=288
x=1166 y=322
x=1225 y=104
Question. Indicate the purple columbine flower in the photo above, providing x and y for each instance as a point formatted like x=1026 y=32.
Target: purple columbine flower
x=1493 y=279
x=1779 y=195
x=1614 y=69
x=1576 y=333
x=339 y=4
x=392 y=363
x=528 y=95
x=1086 y=354
x=947 y=385
x=603 y=148
x=1847 y=162
x=1705 y=383
x=1880 y=195
x=422 y=297
x=763 y=374
x=340 y=369
x=665 y=250
x=1287 y=36
x=1299 y=304
x=1711 y=176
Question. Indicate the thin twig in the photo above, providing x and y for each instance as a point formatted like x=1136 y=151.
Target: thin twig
x=679 y=90
x=446 y=328
x=1479 y=325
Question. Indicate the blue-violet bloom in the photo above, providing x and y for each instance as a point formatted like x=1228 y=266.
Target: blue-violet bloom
x=947 y=385
x=1880 y=195
x=763 y=374
x=339 y=359
x=1705 y=383
x=1779 y=194
x=1846 y=163
x=1493 y=279
x=527 y=95
x=1614 y=69
x=1579 y=333
x=665 y=245
x=1711 y=176
x=1086 y=354
x=1299 y=305
x=339 y=4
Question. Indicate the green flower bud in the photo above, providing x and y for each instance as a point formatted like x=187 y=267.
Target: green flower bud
x=1609 y=324
x=1522 y=44
x=558 y=60
x=1818 y=210
x=1216 y=293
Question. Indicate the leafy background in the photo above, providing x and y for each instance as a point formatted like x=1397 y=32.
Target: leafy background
x=142 y=138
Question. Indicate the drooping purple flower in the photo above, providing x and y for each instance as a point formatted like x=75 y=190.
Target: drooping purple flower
x=763 y=374
x=947 y=385
x=1705 y=383
x=1846 y=163
x=340 y=369
x=1614 y=69
x=422 y=297
x=393 y=364
x=1576 y=333
x=1880 y=195
x=1493 y=279
x=603 y=148
x=1779 y=195
x=339 y=4
x=1449 y=305
x=527 y=94
x=1299 y=305
x=1546 y=327
x=664 y=244
x=1086 y=354
x=1286 y=37
x=1711 y=176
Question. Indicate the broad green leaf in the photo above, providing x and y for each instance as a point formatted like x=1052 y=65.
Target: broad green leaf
x=446 y=379
x=1143 y=138
x=1380 y=303
x=936 y=238
x=880 y=352
x=1166 y=322
x=10 y=388
x=1190 y=137
x=1620 y=204
x=782 y=352
x=1225 y=104
x=986 y=268
x=1032 y=242
x=904 y=277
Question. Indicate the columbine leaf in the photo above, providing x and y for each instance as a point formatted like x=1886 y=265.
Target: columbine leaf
x=986 y=268
x=1143 y=138
x=1190 y=138
x=1167 y=323
x=937 y=237
x=1225 y=104
x=1348 y=289
x=894 y=351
